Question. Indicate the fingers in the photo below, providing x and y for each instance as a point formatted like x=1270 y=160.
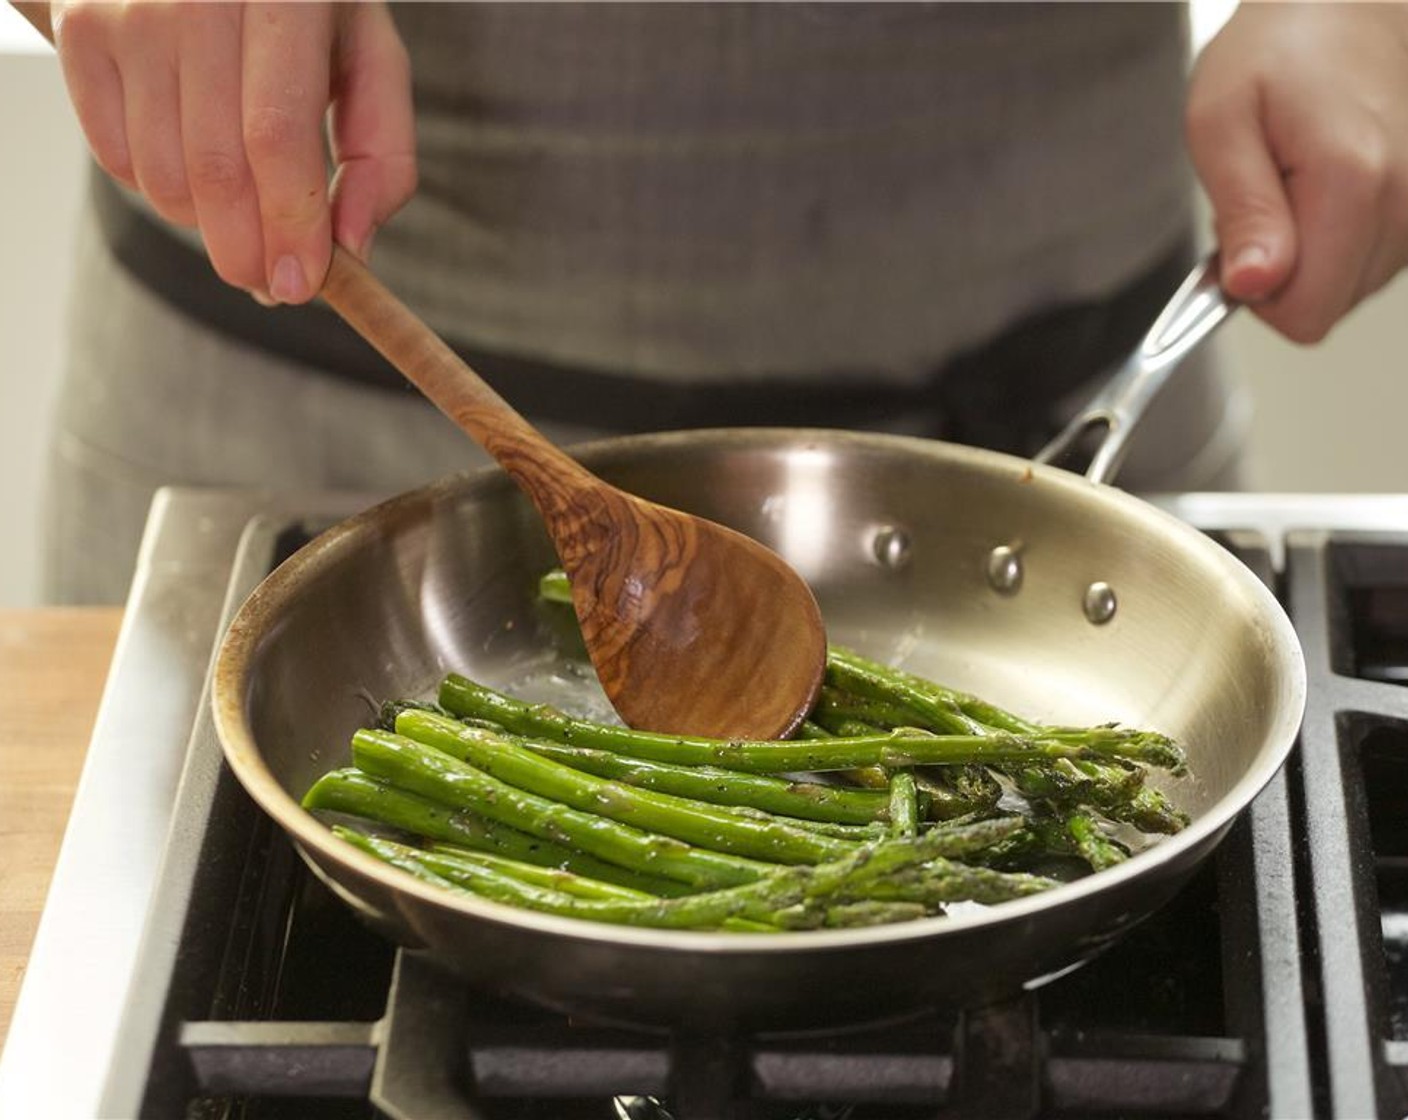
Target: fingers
x=152 y=104
x=81 y=36
x=1256 y=229
x=373 y=126
x=223 y=193
x=1337 y=205
x=215 y=113
x=1314 y=96
x=285 y=91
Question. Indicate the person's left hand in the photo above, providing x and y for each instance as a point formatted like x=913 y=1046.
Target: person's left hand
x=1297 y=122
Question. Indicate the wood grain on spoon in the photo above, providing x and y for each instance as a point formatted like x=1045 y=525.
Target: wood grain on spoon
x=692 y=627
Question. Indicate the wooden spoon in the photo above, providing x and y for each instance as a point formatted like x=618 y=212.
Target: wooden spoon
x=692 y=627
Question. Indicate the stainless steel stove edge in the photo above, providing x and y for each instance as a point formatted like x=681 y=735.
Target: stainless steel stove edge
x=86 y=947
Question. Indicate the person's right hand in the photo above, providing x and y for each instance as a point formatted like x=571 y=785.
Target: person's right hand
x=215 y=112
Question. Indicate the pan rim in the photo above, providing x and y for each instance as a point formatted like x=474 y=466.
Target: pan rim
x=238 y=646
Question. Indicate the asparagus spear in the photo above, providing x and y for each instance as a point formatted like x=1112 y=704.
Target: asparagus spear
x=856 y=915
x=784 y=798
x=501 y=885
x=957 y=791
x=904 y=803
x=853 y=688
x=840 y=712
x=1149 y=811
x=894 y=750
x=867 y=777
x=696 y=822
x=940 y=881
x=555 y=587
x=1097 y=849
x=839 y=659
x=434 y=774
x=550 y=877
x=1068 y=783
x=1111 y=788
x=856 y=833
x=357 y=794
x=837 y=882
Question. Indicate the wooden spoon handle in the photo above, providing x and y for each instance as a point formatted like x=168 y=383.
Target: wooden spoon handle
x=548 y=475
x=37 y=12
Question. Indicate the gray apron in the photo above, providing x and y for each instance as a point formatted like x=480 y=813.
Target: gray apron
x=751 y=203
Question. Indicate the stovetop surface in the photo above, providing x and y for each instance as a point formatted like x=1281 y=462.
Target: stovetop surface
x=1250 y=994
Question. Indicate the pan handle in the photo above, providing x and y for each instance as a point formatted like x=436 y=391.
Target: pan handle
x=1195 y=311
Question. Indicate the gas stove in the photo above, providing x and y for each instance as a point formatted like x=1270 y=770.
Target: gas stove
x=188 y=964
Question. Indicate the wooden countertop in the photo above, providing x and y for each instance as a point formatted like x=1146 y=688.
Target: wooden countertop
x=53 y=663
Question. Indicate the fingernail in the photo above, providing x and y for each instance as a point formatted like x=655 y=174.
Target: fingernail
x=1251 y=256
x=263 y=300
x=288 y=284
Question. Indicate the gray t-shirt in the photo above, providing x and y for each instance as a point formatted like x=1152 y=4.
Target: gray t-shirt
x=720 y=191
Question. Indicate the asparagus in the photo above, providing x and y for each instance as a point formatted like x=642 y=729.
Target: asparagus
x=1114 y=791
x=439 y=776
x=856 y=716
x=939 y=881
x=698 y=823
x=1149 y=811
x=859 y=687
x=386 y=715
x=809 y=800
x=1097 y=849
x=840 y=659
x=1112 y=788
x=894 y=750
x=904 y=803
x=780 y=898
x=856 y=833
x=555 y=587
x=550 y=877
x=1164 y=754
x=867 y=777
x=1078 y=781
x=844 y=713
x=855 y=915
x=354 y=793
x=956 y=791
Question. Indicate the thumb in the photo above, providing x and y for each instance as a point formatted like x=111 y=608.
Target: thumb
x=1255 y=226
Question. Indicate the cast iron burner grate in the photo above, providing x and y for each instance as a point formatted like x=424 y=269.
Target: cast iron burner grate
x=275 y=1002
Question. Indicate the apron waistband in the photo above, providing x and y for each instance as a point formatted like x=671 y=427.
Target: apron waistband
x=1000 y=394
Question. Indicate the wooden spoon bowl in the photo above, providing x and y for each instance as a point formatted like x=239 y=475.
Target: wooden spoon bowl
x=691 y=627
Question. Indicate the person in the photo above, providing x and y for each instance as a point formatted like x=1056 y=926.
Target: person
x=948 y=220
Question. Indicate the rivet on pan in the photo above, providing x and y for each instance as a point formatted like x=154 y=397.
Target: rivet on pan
x=892 y=548
x=1005 y=569
x=1099 y=602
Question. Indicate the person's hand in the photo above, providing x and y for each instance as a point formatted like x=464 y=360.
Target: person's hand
x=216 y=111
x=1297 y=124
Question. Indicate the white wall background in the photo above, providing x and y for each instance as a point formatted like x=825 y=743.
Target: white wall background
x=41 y=154
x=1331 y=419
